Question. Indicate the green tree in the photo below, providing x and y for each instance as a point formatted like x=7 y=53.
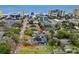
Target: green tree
x=15 y=30
x=51 y=42
x=2 y=23
x=4 y=49
x=75 y=40
x=63 y=33
x=28 y=31
x=52 y=32
x=17 y=24
x=57 y=26
x=31 y=21
x=16 y=38
x=68 y=25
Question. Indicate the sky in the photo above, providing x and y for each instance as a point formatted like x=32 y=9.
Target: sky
x=36 y=8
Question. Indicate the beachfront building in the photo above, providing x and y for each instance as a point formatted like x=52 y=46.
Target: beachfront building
x=56 y=13
x=76 y=12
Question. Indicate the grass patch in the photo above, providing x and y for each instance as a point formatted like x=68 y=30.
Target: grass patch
x=40 y=50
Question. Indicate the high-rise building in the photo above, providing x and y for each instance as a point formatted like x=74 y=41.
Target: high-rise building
x=1 y=13
x=22 y=13
x=43 y=18
x=76 y=12
x=56 y=13
x=32 y=13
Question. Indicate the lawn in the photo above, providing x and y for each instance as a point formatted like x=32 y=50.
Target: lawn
x=36 y=50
